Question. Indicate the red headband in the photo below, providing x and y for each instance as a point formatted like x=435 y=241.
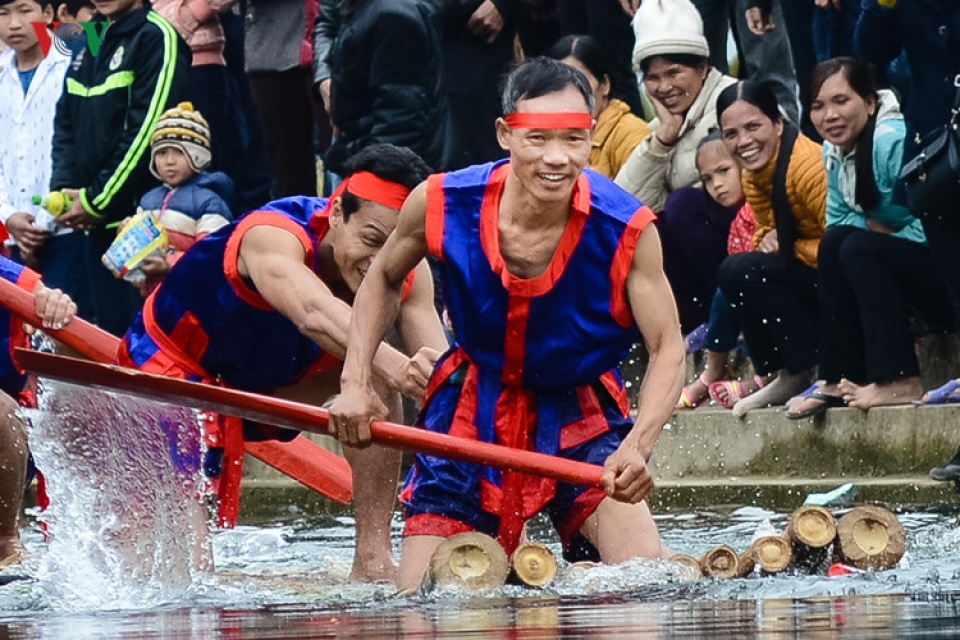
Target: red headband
x=555 y=120
x=369 y=186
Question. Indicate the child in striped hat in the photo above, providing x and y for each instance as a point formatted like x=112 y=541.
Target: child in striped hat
x=192 y=202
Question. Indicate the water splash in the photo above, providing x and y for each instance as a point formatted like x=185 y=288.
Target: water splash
x=126 y=528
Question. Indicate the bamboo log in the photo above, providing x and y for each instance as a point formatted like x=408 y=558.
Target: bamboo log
x=471 y=560
x=533 y=565
x=811 y=530
x=720 y=562
x=870 y=537
x=688 y=562
x=773 y=553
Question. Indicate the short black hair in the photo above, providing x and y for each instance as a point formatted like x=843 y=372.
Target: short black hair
x=74 y=6
x=753 y=93
x=541 y=76
x=43 y=3
x=387 y=161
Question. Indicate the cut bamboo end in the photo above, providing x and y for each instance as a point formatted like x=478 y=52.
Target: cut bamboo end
x=468 y=560
x=870 y=537
x=772 y=553
x=745 y=565
x=720 y=562
x=533 y=565
x=812 y=526
x=689 y=562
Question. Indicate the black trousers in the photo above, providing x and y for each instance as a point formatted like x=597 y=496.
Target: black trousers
x=870 y=285
x=283 y=101
x=776 y=303
x=943 y=237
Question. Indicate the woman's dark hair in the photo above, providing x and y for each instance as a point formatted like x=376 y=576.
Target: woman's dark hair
x=860 y=76
x=752 y=92
x=686 y=59
x=714 y=135
x=585 y=50
x=761 y=96
x=387 y=161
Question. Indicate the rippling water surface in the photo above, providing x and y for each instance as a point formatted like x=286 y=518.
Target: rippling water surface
x=288 y=579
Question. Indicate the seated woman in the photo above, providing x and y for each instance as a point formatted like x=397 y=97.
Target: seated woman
x=618 y=131
x=672 y=53
x=773 y=289
x=720 y=174
x=875 y=269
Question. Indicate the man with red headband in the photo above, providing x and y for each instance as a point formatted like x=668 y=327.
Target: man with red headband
x=263 y=305
x=550 y=273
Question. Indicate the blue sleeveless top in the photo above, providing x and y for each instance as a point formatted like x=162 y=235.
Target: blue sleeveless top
x=535 y=362
x=214 y=325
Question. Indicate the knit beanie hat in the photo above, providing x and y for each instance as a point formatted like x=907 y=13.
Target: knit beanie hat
x=185 y=129
x=668 y=27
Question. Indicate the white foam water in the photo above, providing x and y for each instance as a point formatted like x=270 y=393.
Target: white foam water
x=125 y=524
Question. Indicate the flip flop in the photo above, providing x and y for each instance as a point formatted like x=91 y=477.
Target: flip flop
x=687 y=399
x=826 y=402
x=735 y=391
x=949 y=393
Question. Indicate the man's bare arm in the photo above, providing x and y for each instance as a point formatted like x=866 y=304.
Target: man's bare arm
x=651 y=301
x=273 y=259
x=375 y=310
x=418 y=323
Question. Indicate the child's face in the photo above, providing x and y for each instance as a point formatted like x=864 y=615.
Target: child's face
x=720 y=174
x=113 y=9
x=173 y=166
x=16 y=30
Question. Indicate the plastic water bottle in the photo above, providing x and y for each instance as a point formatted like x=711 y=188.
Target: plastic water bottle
x=56 y=202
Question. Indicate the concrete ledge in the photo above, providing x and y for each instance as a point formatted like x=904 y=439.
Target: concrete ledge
x=284 y=500
x=711 y=443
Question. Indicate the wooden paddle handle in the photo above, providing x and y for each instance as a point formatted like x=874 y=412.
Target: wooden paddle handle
x=88 y=339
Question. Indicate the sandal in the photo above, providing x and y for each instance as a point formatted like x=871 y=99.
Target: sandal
x=735 y=391
x=688 y=400
x=946 y=394
x=824 y=402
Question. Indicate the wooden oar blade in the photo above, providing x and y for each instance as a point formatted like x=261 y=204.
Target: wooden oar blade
x=298 y=459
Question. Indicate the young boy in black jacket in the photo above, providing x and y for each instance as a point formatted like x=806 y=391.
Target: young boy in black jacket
x=101 y=141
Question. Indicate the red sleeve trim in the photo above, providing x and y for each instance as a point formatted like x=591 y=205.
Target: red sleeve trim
x=436 y=213
x=231 y=255
x=28 y=279
x=622 y=259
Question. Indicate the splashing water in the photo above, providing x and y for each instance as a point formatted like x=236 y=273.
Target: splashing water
x=126 y=527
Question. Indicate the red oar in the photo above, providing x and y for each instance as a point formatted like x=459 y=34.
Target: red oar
x=301 y=459
x=286 y=413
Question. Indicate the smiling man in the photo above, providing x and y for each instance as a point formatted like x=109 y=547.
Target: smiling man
x=263 y=305
x=550 y=273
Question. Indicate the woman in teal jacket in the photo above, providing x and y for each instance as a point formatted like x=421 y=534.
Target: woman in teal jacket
x=875 y=272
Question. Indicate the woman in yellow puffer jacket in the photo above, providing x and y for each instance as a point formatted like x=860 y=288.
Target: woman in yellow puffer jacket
x=773 y=289
x=618 y=130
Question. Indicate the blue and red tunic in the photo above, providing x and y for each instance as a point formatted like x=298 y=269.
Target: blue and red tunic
x=536 y=361
x=210 y=323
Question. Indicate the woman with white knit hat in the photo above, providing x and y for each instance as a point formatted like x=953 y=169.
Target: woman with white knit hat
x=672 y=53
